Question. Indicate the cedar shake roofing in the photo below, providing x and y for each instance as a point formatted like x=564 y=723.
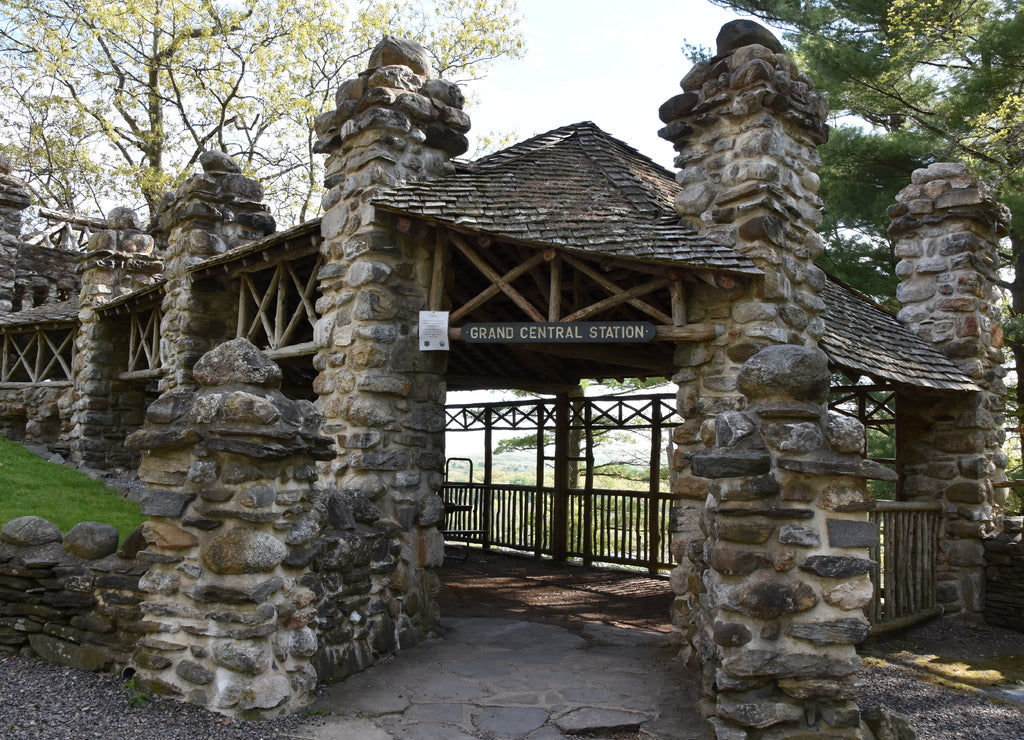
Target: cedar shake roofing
x=575 y=188
x=579 y=189
x=862 y=337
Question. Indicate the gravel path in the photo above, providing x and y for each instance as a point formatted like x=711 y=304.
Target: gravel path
x=937 y=713
x=44 y=701
x=934 y=711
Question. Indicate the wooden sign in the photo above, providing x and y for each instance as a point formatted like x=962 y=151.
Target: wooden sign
x=559 y=332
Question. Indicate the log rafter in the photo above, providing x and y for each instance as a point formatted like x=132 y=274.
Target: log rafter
x=562 y=287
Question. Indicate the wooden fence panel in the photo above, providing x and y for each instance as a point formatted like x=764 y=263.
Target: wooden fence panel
x=904 y=575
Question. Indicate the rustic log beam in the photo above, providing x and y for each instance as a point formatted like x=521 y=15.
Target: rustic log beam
x=555 y=290
x=147 y=374
x=678 y=294
x=688 y=333
x=293 y=350
x=437 y=273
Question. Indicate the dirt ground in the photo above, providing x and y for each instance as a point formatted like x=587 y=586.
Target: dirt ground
x=489 y=584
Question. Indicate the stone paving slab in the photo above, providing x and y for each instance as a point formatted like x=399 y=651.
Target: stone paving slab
x=499 y=679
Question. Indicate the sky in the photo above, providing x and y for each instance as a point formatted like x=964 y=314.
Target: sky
x=613 y=62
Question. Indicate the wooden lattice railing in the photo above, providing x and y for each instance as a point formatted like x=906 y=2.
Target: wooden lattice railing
x=144 y=340
x=38 y=355
x=277 y=307
x=904 y=576
x=605 y=526
x=573 y=518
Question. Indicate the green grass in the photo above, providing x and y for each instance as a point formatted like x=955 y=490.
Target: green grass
x=30 y=485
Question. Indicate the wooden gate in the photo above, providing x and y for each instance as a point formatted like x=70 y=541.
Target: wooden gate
x=904 y=575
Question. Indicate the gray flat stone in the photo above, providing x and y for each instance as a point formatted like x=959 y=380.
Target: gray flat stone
x=592 y=719
x=546 y=733
x=511 y=720
x=449 y=713
x=368 y=699
x=1014 y=694
x=431 y=731
x=483 y=669
x=610 y=635
x=442 y=687
x=494 y=678
x=511 y=635
x=344 y=728
x=592 y=695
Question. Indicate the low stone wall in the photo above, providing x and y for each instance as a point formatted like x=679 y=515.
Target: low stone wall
x=39 y=414
x=1004 y=575
x=69 y=599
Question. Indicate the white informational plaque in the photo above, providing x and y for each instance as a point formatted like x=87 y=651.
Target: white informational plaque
x=433 y=330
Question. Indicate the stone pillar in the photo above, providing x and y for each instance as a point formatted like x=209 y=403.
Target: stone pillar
x=783 y=572
x=746 y=126
x=118 y=261
x=234 y=512
x=14 y=199
x=382 y=398
x=947 y=226
x=211 y=213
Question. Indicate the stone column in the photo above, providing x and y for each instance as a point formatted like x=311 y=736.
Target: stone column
x=783 y=571
x=382 y=398
x=14 y=199
x=118 y=261
x=947 y=227
x=211 y=213
x=234 y=516
x=746 y=126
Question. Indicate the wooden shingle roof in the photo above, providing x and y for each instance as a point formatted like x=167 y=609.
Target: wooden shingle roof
x=862 y=337
x=575 y=188
x=64 y=312
x=579 y=189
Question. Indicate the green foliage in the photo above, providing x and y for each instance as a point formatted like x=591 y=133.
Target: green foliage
x=861 y=175
x=137 y=696
x=30 y=485
x=934 y=81
x=100 y=101
x=925 y=81
x=1015 y=502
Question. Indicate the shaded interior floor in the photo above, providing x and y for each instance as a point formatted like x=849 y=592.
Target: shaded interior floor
x=528 y=649
x=492 y=584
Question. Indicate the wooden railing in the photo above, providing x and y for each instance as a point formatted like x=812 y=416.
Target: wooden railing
x=604 y=526
x=42 y=354
x=144 y=353
x=904 y=575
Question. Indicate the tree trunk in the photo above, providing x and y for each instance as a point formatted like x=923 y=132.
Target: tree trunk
x=1015 y=337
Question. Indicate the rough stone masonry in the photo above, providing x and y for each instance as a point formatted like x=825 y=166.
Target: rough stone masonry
x=783 y=573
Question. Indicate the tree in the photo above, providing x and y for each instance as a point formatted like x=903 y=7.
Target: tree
x=103 y=101
x=912 y=82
